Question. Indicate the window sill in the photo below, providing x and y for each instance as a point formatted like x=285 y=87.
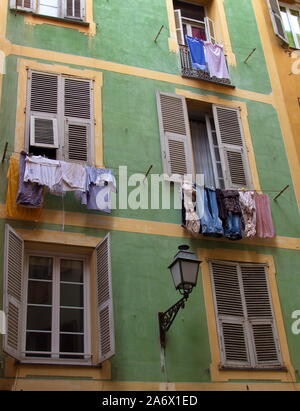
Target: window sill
x=87 y=27
x=64 y=19
x=254 y=369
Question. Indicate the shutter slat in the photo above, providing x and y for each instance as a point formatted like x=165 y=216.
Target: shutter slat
x=77 y=142
x=44 y=93
x=73 y=9
x=104 y=300
x=267 y=353
x=178 y=25
x=77 y=98
x=43 y=132
x=13 y=272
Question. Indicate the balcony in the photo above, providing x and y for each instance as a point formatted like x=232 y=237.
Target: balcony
x=188 y=71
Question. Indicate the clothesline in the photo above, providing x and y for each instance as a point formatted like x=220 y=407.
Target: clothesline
x=114 y=167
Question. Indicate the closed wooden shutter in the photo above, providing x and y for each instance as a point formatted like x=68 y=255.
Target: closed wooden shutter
x=42 y=109
x=260 y=315
x=210 y=30
x=105 y=301
x=13 y=273
x=245 y=318
x=74 y=9
x=78 y=115
x=230 y=314
x=179 y=29
x=232 y=147
x=175 y=135
x=277 y=22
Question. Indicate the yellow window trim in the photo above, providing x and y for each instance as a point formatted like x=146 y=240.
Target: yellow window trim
x=23 y=66
x=216 y=12
x=244 y=117
x=89 y=28
x=249 y=257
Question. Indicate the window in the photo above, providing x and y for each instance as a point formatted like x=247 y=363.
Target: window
x=244 y=313
x=203 y=139
x=192 y=20
x=291 y=23
x=48 y=307
x=66 y=9
x=59 y=117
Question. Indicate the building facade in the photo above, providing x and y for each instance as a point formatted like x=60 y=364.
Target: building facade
x=112 y=85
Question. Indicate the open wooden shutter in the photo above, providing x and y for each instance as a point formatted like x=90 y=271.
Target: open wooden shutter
x=210 y=30
x=22 y=4
x=178 y=25
x=260 y=315
x=277 y=22
x=232 y=147
x=230 y=314
x=79 y=118
x=42 y=109
x=13 y=272
x=105 y=301
x=176 y=146
x=74 y=9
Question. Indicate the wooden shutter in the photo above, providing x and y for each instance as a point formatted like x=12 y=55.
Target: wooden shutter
x=105 y=301
x=210 y=30
x=74 y=9
x=22 y=4
x=277 y=21
x=179 y=28
x=260 y=315
x=230 y=314
x=13 y=272
x=175 y=134
x=232 y=147
x=43 y=132
x=42 y=109
x=78 y=115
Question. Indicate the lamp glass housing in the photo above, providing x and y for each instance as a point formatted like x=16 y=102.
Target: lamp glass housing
x=184 y=271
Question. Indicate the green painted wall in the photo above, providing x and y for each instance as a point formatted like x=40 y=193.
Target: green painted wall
x=141 y=281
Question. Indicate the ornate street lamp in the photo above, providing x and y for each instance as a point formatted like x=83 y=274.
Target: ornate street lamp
x=184 y=271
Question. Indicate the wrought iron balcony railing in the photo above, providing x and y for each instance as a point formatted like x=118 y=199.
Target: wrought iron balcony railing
x=189 y=72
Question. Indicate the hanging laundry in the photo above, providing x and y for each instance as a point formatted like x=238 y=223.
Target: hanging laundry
x=42 y=171
x=29 y=194
x=196 y=47
x=247 y=203
x=192 y=220
x=70 y=177
x=264 y=221
x=12 y=208
x=99 y=186
x=200 y=201
x=223 y=213
x=230 y=209
x=211 y=224
x=216 y=60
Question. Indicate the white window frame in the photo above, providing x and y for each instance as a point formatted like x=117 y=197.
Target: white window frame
x=62 y=10
x=288 y=9
x=55 y=310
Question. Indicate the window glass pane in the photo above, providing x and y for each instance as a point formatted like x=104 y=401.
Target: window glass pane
x=71 y=271
x=40 y=268
x=38 y=341
x=295 y=22
x=71 y=343
x=199 y=32
x=71 y=320
x=39 y=292
x=71 y=295
x=39 y=318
